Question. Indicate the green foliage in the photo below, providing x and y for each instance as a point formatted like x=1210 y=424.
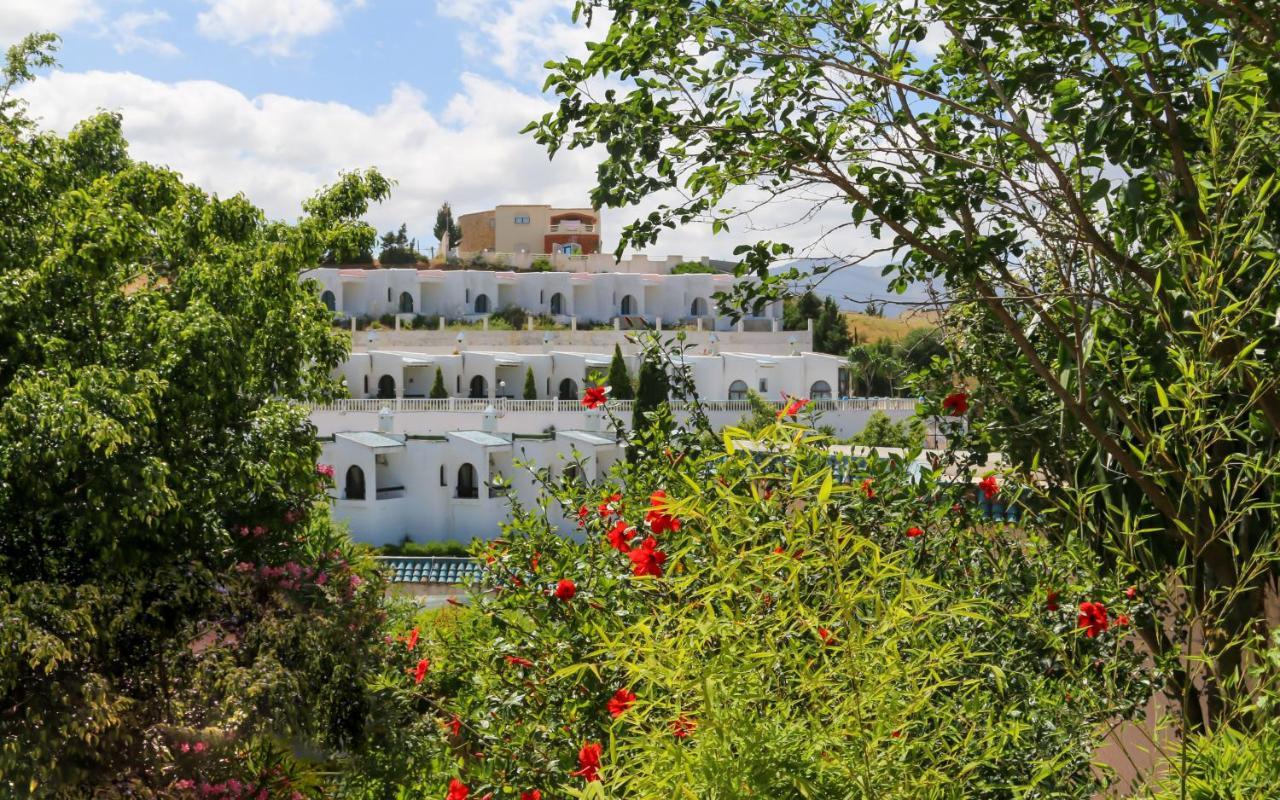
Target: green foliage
x=692 y=268
x=514 y=316
x=530 y=385
x=444 y=222
x=763 y=414
x=408 y=547
x=397 y=248
x=884 y=432
x=653 y=387
x=438 y=392
x=163 y=525
x=797 y=311
x=618 y=380
x=831 y=330
x=541 y=264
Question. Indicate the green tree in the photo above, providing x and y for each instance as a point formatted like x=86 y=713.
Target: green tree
x=163 y=523
x=653 y=387
x=881 y=431
x=530 y=386
x=619 y=382
x=831 y=330
x=1104 y=223
x=797 y=311
x=445 y=223
x=397 y=248
x=438 y=391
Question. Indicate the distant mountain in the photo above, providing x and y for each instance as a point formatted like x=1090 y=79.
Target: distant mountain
x=854 y=286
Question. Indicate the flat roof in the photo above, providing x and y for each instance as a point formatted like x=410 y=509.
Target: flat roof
x=371 y=439
x=482 y=438
x=588 y=437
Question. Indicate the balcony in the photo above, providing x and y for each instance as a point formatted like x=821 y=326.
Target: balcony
x=572 y=227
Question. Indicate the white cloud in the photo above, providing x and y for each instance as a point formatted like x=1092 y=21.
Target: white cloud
x=127 y=32
x=519 y=36
x=279 y=150
x=273 y=26
x=20 y=17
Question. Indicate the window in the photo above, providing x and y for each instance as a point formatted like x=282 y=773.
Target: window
x=764 y=385
x=542 y=296
x=738 y=390
x=522 y=219
x=466 y=295
x=457 y=381
x=628 y=306
x=479 y=388
x=557 y=303
x=698 y=308
x=492 y=222
x=482 y=304
x=568 y=389
x=443 y=480
x=406 y=303
x=366 y=384
x=388 y=294
x=467 y=487
x=354 y=489
x=386 y=387
x=330 y=302
x=820 y=390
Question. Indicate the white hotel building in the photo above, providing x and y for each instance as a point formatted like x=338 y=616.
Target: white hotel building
x=429 y=468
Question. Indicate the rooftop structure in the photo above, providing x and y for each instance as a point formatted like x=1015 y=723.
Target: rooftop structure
x=530 y=229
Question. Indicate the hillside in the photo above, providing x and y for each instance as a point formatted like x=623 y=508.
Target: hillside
x=873 y=329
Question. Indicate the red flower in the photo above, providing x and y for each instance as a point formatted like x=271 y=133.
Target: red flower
x=656 y=517
x=412 y=640
x=620 y=536
x=420 y=671
x=595 y=396
x=793 y=408
x=1122 y=620
x=1131 y=592
x=647 y=559
x=866 y=487
x=1093 y=618
x=533 y=562
x=588 y=762
x=457 y=790
x=988 y=486
x=913 y=532
x=607 y=508
x=896 y=734
x=532 y=794
x=780 y=550
x=519 y=662
x=956 y=404
x=620 y=702
x=682 y=726
x=455 y=725
x=566 y=589
x=826 y=636
x=583 y=513
x=1051 y=600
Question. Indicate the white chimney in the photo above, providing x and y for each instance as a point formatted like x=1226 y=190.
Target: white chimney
x=489 y=420
x=386 y=420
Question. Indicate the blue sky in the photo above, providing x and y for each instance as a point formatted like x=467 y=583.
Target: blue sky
x=274 y=98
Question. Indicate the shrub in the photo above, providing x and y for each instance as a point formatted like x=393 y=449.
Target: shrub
x=541 y=264
x=881 y=431
x=408 y=547
x=514 y=316
x=691 y=268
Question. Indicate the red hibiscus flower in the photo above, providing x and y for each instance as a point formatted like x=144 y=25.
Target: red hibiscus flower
x=989 y=487
x=455 y=725
x=682 y=726
x=1122 y=620
x=1093 y=618
x=583 y=513
x=647 y=559
x=826 y=636
x=566 y=589
x=956 y=404
x=896 y=734
x=610 y=506
x=457 y=790
x=620 y=536
x=412 y=640
x=516 y=661
x=1131 y=592
x=793 y=408
x=420 y=671
x=588 y=762
x=867 y=488
x=1051 y=600
x=913 y=532
x=532 y=794
x=620 y=702
x=595 y=396
x=657 y=518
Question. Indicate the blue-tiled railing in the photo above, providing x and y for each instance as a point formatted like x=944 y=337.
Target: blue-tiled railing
x=432 y=569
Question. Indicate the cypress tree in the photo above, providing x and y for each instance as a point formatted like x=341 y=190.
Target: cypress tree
x=530 y=387
x=618 y=381
x=437 y=388
x=652 y=388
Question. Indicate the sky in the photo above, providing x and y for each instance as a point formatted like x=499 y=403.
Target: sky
x=274 y=98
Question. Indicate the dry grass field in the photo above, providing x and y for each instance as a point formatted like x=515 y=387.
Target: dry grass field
x=873 y=329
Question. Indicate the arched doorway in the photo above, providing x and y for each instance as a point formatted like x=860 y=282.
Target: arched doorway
x=467 y=485
x=479 y=388
x=330 y=302
x=353 y=489
x=698 y=308
x=568 y=389
x=482 y=304
x=629 y=305
x=820 y=390
x=738 y=390
x=572 y=474
x=406 y=303
x=557 y=303
x=386 y=387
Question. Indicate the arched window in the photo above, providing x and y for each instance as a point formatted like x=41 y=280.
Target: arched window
x=479 y=388
x=820 y=390
x=698 y=308
x=354 y=488
x=330 y=302
x=738 y=390
x=628 y=305
x=568 y=389
x=406 y=303
x=386 y=387
x=557 y=303
x=572 y=474
x=482 y=304
x=467 y=486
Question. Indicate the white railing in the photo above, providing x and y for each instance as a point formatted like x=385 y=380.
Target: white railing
x=562 y=228
x=505 y=405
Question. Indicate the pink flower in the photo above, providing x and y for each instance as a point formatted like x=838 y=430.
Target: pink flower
x=325 y=470
x=1131 y=592
x=185 y=784
x=199 y=747
x=185 y=747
